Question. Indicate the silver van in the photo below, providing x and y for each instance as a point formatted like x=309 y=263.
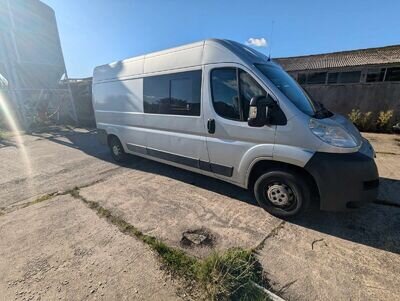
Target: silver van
x=222 y=109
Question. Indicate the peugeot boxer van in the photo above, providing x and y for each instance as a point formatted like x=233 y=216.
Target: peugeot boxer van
x=222 y=109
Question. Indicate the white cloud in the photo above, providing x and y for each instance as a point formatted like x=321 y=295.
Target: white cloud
x=257 y=42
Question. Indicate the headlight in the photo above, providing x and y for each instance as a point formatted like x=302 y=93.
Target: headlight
x=331 y=134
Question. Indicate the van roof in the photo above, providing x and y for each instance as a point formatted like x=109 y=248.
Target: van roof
x=235 y=47
x=193 y=54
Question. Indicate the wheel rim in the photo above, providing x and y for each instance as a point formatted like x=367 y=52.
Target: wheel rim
x=280 y=195
x=116 y=150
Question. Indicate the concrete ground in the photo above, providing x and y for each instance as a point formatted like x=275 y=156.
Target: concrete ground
x=318 y=256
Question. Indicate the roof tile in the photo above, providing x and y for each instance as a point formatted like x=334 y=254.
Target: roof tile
x=370 y=56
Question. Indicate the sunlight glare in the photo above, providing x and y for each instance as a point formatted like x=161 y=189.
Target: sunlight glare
x=16 y=132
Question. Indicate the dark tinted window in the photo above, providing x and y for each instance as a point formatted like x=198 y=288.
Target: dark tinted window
x=248 y=89
x=333 y=77
x=316 y=78
x=176 y=94
x=156 y=94
x=349 y=77
x=302 y=78
x=225 y=93
x=375 y=75
x=393 y=74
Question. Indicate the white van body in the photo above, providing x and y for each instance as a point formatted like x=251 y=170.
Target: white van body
x=161 y=106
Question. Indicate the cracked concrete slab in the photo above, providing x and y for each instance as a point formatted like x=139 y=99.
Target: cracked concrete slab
x=59 y=160
x=318 y=256
x=165 y=202
x=341 y=255
x=60 y=249
x=323 y=256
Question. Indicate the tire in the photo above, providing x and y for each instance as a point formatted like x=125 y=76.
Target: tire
x=282 y=193
x=117 y=150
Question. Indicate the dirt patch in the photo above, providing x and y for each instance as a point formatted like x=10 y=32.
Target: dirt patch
x=197 y=238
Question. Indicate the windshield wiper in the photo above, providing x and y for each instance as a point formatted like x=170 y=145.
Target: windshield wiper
x=322 y=112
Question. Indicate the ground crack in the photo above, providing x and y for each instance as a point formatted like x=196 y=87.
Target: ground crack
x=44 y=197
x=274 y=232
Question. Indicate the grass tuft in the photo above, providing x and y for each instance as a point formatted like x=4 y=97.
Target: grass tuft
x=230 y=275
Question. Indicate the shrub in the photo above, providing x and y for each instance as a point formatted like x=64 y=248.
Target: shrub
x=363 y=121
x=369 y=122
x=384 y=121
x=355 y=117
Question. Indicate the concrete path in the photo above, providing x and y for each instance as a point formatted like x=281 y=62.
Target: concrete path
x=387 y=149
x=60 y=249
x=319 y=256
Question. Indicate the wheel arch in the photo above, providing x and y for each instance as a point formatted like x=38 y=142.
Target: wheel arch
x=110 y=136
x=264 y=165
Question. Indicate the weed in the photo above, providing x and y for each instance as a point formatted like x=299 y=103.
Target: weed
x=40 y=199
x=383 y=122
x=230 y=276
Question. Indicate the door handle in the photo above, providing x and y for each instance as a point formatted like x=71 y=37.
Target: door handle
x=211 y=126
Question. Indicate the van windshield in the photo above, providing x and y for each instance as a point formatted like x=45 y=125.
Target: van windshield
x=288 y=86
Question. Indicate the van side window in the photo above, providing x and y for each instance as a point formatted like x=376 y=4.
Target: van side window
x=225 y=93
x=175 y=94
x=231 y=100
x=156 y=94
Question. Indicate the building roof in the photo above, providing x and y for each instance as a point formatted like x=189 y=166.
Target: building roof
x=360 y=57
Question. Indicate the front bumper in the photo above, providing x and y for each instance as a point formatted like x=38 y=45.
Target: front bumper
x=344 y=180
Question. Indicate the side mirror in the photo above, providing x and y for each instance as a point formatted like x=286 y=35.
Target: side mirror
x=258 y=112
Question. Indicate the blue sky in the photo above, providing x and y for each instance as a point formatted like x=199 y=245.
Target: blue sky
x=95 y=32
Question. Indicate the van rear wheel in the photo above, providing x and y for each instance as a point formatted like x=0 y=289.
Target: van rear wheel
x=282 y=193
x=117 y=150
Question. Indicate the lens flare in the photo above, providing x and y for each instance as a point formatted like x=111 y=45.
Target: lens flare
x=14 y=127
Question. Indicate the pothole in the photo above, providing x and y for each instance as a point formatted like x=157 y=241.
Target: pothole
x=197 y=238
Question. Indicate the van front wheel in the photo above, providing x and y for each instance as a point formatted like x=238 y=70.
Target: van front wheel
x=282 y=193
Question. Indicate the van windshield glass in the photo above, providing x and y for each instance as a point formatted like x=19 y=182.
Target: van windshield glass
x=288 y=86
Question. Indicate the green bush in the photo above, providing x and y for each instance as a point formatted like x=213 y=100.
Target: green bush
x=368 y=122
x=355 y=117
x=384 y=122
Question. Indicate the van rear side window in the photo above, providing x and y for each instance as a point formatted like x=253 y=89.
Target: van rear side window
x=174 y=94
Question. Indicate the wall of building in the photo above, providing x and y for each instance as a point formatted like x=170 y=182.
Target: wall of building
x=82 y=93
x=366 y=97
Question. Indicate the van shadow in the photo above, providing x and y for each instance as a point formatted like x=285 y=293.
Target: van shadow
x=374 y=225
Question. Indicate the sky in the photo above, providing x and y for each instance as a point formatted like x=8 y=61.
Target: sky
x=96 y=32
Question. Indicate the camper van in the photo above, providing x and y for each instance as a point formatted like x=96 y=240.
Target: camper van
x=222 y=109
